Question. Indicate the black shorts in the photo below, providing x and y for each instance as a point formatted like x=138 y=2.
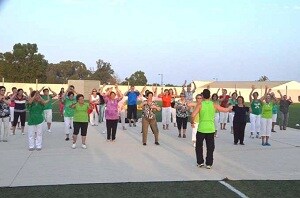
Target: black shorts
x=82 y=126
x=132 y=112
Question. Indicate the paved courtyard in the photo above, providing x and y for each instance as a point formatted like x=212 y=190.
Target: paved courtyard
x=127 y=160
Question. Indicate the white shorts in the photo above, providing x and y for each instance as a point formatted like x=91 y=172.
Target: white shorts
x=48 y=115
x=274 y=118
x=223 y=117
x=265 y=127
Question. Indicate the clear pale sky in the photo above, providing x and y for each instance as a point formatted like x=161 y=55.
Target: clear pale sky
x=181 y=39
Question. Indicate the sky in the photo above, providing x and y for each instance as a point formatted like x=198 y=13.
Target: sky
x=224 y=40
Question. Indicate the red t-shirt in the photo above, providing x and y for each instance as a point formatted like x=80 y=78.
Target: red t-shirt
x=224 y=103
x=166 y=100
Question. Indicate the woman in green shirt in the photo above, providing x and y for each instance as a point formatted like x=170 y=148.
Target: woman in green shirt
x=68 y=112
x=80 y=120
x=35 y=108
x=266 y=118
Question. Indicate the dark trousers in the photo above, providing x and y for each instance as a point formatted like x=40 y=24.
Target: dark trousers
x=111 y=127
x=210 y=147
x=239 y=131
x=80 y=126
x=132 y=112
x=22 y=116
x=181 y=122
x=283 y=119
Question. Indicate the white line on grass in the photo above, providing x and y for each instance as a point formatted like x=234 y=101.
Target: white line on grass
x=239 y=193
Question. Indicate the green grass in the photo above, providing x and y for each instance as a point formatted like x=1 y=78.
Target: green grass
x=145 y=189
x=159 y=189
x=287 y=188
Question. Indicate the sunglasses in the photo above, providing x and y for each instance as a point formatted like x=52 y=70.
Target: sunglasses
x=94 y=91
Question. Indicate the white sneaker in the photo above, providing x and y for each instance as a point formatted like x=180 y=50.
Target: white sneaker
x=194 y=144
x=73 y=146
x=103 y=132
x=23 y=133
x=49 y=131
x=83 y=146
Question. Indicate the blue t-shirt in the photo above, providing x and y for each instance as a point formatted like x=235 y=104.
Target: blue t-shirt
x=132 y=97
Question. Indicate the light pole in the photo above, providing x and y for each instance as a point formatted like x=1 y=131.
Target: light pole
x=161 y=79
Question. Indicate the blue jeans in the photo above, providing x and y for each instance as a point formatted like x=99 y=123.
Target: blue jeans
x=101 y=112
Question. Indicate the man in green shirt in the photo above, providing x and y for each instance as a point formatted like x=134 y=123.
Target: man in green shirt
x=48 y=106
x=206 y=128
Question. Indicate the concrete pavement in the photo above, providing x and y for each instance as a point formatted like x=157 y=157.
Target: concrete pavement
x=127 y=160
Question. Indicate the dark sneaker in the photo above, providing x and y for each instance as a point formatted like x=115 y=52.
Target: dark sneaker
x=144 y=144
x=184 y=136
x=67 y=139
x=179 y=135
x=156 y=143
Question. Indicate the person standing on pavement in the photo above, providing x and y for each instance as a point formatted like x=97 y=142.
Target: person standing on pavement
x=182 y=112
x=192 y=105
x=255 y=115
x=48 y=106
x=132 y=95
x=224 y=98
x=239 y=120
x=94 y=102
x=4 y=115
x=20 y=110
x=111 y=112
x=101 y=103
x=80 y=120
x=35 y=108
x=206 y=128
x=149 y=118
x=68 y=113
x=284 y=105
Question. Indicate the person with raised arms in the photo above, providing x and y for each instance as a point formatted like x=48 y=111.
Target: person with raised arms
x=224 y=98
x=48 y=106
x=80 y=120
x=206 y=128
x=35 y=108
x=68 y=101
x=255 y=115
x=149 y=118
x=192 y=105
x=132 y=95
x=188 y=93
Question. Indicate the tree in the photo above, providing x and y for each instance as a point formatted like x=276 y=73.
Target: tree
x=263 y=78
x=67 y=70
x=104 y=73
x=24 y=64
x=137 y=78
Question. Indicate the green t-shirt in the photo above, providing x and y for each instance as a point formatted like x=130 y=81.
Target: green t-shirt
x=232 y=102
x=68 y=111
x=81 y=113
x=256 y=107
x=207 y=117
x=275 y=109
x=48 y=105
x=267 y=110
x=35 y=113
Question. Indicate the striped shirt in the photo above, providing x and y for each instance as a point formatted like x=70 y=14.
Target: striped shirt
x=20 y=104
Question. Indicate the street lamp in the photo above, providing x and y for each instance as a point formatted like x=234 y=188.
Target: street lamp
x=161 y=79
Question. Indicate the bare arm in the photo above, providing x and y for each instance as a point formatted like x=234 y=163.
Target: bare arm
x=250 y=95
x=265 y=94
x=195 y=112
x=194 y=89
x=53 y=93
x=222 y=109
